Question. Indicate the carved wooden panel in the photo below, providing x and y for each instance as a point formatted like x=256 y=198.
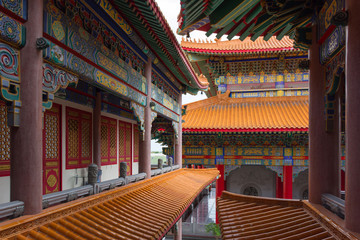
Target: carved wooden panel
x=108 y=141
x=125 y=145
x=4 y=142
x=52 y=150
x=78 y=138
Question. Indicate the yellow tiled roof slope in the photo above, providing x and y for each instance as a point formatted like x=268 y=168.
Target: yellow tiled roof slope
x=144 y=210
x=271 y=113
x=237 y=45
x=256 y=218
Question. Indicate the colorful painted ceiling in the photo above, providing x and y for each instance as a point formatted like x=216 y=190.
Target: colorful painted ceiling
x=146 y=19
x=144 y=210
x=222 y=113
x=246 y=18
x=247 y=217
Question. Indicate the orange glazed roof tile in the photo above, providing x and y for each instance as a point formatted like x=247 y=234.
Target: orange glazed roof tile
x=238 y=46
x=256 y=218
x=143 y=210
x=248 y=114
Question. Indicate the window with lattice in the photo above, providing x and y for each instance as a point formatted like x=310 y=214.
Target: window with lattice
x=136 y=143
x=78 y=138
x=125 y=144
x=108 y=141
x=4 y=142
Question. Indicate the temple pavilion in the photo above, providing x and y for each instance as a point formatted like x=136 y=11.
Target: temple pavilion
x=254 y=125
x=328 y=30
x=82 y=85
x=85 y=84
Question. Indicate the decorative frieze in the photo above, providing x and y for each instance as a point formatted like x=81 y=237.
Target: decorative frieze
x=53 y=80
x=10 y=82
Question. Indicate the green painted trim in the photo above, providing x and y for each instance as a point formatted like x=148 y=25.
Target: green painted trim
x=254 y=14
x=213 y=6
x=236 y=30
x=259 y=32
x=284 y=31
x=224 y=30
x=247 y=32
x=229 y=12
x=211 y=31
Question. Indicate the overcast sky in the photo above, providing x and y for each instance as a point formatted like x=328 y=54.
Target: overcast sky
x=171 y=10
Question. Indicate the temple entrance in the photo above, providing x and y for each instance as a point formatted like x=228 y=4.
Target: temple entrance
x=52 y=150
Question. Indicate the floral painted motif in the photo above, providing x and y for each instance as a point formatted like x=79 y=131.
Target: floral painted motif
x=11 y=31
x=18 y=7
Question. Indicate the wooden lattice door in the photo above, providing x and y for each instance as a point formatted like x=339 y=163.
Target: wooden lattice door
x=52 y=150
x=125 y=145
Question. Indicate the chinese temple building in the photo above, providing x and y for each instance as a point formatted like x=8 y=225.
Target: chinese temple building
x=326 y=30
x=86 y=84
x=254 y=125
x=83 y=83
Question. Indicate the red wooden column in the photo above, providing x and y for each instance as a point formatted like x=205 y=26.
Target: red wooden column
x=352 y=182
x=324 y=147
x=145 y=141
x=287 y=180
x=220 y=184
x=26 y=140
x=178 y=141
x=97 y=130
x=279 y=187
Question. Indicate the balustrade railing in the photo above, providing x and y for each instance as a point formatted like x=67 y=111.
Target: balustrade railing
x=334 y=204
x=16 y=208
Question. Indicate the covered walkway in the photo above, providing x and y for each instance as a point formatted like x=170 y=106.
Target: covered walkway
x=144 y=210
x=247 y=217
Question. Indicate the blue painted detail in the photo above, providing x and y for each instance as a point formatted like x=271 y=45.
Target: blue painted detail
x=166 y=78
x=125 y=37
x=82 y=99
x=262 y=59
x=222 y=88
x=288 y=161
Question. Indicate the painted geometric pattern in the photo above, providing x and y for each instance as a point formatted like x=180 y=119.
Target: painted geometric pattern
x=125 y=145
x=85 y=70
x=11 y=31
x=51 y=136
x=112 y=132
x=220 y=67
x=122 y=135
x=52 y=180
x=104 y=142
x=160 y=82
x=4 y=141
x=164 y=99
x=51 y=147
x=18 y=7
x=85 y=139
x=264 y=78
x=10 y=80
x=73 y=138
x=78 y=140
x=128 y=141
x=136 y=143
x=92 y=39
x=108 y=141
